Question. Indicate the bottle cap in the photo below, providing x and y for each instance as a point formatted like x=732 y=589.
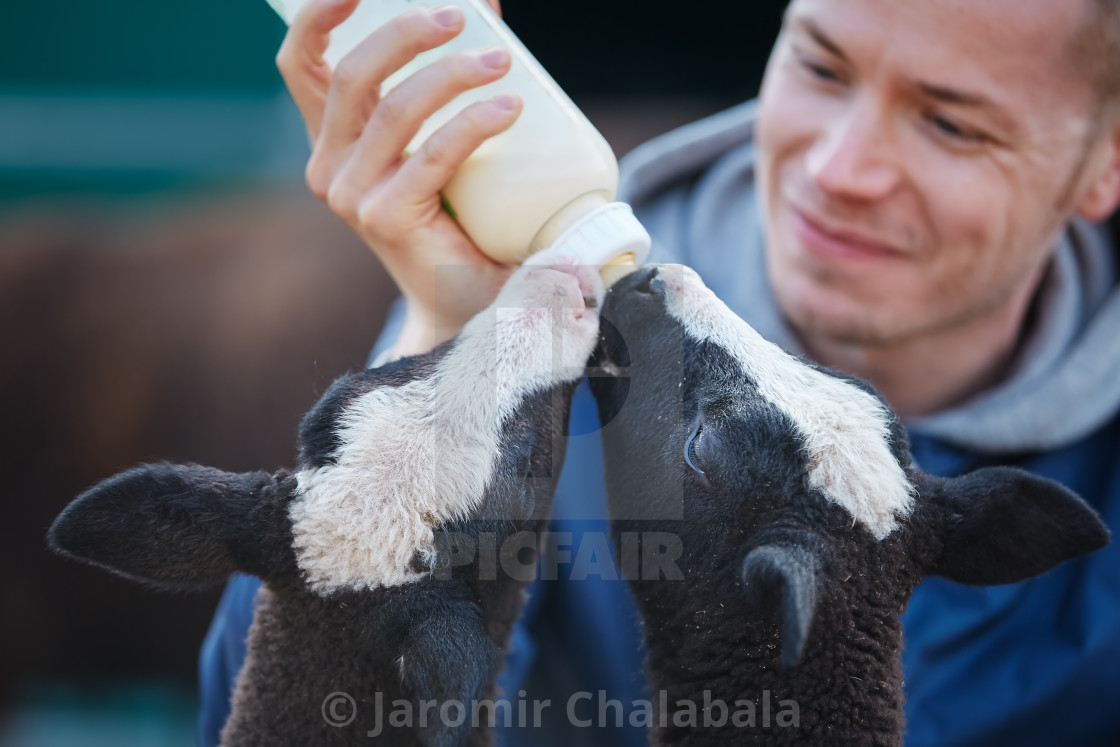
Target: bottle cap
x=606 y=236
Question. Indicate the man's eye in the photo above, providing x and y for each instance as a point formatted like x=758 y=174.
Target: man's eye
x=817 y=69
x=821 y=72
x=953 y=131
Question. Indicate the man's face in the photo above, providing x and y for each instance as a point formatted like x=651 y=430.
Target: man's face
x=916 y=160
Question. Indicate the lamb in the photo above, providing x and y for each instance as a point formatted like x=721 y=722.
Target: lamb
x=803 y=522
x=380 y=617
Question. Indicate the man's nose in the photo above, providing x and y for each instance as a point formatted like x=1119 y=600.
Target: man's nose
x=854 y=157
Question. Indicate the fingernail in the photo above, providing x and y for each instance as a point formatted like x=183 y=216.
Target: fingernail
x=506 y=101
x=447 y=16
x=494 y=58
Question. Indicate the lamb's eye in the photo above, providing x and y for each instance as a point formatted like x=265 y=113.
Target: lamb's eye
x=691 y=447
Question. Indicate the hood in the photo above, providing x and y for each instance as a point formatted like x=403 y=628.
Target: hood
x=694 y=190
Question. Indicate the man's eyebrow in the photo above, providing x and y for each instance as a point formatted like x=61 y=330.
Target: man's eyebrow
x=934 y=91
x=954 y=96
x=821 y=38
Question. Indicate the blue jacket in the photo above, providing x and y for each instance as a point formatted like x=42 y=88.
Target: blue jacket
x=1034 y=663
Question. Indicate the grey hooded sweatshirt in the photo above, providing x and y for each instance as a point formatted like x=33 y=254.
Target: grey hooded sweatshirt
x=694 y=190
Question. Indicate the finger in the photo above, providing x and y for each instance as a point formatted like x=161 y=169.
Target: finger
x=300 y=59
x=429 y=170
x=309 y=32
x=356 y=82
x=403 y=110
x=495 y=6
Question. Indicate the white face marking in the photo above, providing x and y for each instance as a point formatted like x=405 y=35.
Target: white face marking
x=420 y=455
x=846 y=430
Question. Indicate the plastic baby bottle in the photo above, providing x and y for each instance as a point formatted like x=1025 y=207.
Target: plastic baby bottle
x=548 y=179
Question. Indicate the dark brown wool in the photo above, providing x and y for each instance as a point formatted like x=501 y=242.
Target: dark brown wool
x=437 y=639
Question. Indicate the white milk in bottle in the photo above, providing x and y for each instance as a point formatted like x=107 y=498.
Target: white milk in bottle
x=548 y=179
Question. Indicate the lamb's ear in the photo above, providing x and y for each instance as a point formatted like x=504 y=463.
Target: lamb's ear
x=781 y=581
x=1002 y=525
x=172 y=526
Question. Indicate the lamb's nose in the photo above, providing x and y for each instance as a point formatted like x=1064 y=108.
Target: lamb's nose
x=643 y=279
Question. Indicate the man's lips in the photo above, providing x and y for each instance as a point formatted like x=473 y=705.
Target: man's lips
x=830 y=244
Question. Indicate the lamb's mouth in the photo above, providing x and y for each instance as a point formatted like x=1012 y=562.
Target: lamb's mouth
x=611 y=357
x=575 y=272
x=608 y=372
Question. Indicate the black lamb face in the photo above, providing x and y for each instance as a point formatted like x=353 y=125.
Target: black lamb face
x=473 y=432
x=367 y=588
x=786 y=481
x=390 y=456
x=730 y=420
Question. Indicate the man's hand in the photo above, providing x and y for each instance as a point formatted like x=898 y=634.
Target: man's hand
x=358 y=138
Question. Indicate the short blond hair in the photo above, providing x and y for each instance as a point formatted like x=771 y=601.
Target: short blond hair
x=1096 y=52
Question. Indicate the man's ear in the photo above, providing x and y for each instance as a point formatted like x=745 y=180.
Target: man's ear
x=1001 y=525
x=1102 y=193
x=171 y=526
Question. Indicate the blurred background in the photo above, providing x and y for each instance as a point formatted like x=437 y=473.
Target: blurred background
x=169 y=290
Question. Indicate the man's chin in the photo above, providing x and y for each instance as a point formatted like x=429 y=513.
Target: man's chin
x=841 y=324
